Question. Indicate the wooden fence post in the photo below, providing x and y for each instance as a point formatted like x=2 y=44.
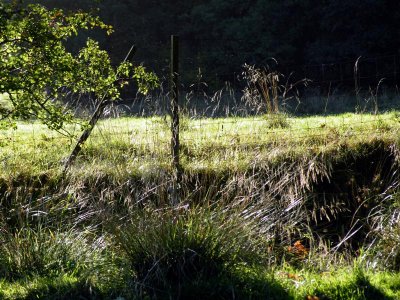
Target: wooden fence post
x=175 y=119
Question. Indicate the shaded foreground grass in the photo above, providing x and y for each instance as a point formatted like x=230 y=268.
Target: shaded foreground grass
x=181 y=253
x=196 y=254
x=270 y=210
x=244 y=283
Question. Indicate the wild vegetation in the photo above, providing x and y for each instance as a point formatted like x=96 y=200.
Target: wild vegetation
x=270 y=205
x=264 y=210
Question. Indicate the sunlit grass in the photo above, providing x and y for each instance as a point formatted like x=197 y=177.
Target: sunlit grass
x=341 y=283
x=140 y=145
x=41 y=287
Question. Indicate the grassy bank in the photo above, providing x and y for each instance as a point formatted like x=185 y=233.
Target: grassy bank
x=273 y=207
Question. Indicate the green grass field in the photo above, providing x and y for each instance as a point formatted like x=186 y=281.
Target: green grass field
x=273 y=207
x=142 y=144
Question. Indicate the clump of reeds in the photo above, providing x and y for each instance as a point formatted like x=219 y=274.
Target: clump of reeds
x=187 y=251
x=41 y=251
x=268 y=91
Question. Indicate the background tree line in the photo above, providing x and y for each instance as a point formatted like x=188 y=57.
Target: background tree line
x=219 y=36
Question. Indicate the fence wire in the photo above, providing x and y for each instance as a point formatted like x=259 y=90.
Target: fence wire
x=143 y=142
x=219 y=122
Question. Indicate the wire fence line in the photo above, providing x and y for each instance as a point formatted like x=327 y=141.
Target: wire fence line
x=224 y=134
x=148 y=138
x=195 y=52
x=363 y=84
x=161 y=125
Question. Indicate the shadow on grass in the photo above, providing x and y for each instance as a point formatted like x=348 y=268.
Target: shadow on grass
x=252 y=289
x=244 y=284
x=257 y=287
x=370 y=291
x=361 y=288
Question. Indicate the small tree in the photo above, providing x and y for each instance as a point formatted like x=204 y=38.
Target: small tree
x=38 y=73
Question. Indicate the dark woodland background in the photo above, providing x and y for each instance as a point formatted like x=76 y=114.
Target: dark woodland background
x=320 y=40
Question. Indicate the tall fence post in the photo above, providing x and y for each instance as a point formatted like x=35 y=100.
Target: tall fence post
x=175 y=118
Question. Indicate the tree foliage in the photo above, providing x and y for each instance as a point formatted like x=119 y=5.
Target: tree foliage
x=38 y=73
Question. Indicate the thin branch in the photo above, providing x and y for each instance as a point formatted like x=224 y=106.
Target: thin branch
x=93 y=120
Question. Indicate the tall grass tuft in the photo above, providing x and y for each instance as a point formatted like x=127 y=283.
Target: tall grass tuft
x=40 y=251
x=187 y=251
